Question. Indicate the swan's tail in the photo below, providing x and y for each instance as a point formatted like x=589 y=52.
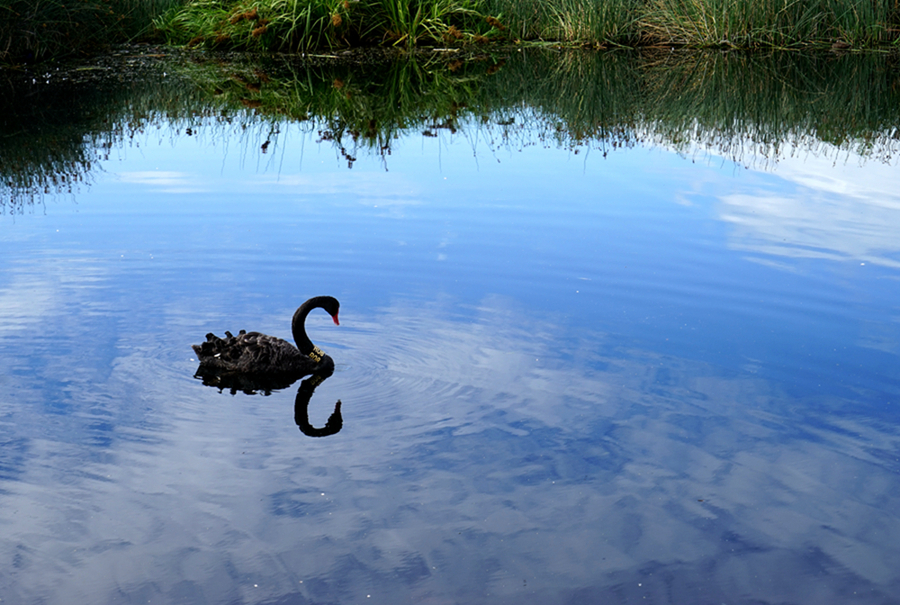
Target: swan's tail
x=216 y=348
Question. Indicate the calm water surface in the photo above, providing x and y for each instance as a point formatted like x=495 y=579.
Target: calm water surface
x=648 y=377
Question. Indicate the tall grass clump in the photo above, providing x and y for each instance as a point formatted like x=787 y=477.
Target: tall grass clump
x=308 y=24
x=38 y=29
x=771 y=23
x=288 y=25
x=595 y=21
x=260 y=25
x=587 y=22
x=412 y=20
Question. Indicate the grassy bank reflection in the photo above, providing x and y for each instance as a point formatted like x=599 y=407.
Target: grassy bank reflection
x=749 y=108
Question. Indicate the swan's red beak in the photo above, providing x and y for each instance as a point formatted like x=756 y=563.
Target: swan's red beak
x=336 y=322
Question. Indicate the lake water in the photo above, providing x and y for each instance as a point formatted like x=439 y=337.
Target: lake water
x=571 y=370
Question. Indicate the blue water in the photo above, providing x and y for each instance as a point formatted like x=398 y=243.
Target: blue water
x=648 y=377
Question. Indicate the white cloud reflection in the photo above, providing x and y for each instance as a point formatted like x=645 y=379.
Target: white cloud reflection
x=165 y=181
x=478 y=464
x=840 y=207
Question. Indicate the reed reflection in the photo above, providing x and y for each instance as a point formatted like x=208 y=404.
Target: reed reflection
x=746 y=108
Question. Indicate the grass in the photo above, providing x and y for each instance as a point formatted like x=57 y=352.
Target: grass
x=587 y=22
x=772 y=23
x=315 y=24
x=292 y=24
x=36 y=29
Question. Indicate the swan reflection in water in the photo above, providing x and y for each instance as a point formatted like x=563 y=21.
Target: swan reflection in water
x=252 y=362
x=250 y=386
x=301 y=410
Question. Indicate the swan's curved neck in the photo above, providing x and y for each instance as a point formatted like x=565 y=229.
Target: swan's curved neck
x=298 y=327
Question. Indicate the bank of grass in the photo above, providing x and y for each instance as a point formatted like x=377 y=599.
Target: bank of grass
x=31 y=30
x=587 y=22
x=773 y=23
x=36 y=29
x=318 y=24
x=308 y=24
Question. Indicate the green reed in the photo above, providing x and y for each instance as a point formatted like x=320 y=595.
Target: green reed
x=596 y=21
x=588 y=22
x=314 y=24
x=307 y=24
x=412 y=20
x=772 y=23
x=35 y=29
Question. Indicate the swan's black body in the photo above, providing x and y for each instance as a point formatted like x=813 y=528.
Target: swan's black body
x=265 y=358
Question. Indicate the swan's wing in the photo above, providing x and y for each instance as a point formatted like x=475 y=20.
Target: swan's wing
x=262 y=353
x=246 y=352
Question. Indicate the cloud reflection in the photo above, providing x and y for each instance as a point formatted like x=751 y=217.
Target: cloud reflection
x=166 y=181
x=492 y=458
x=831 y=213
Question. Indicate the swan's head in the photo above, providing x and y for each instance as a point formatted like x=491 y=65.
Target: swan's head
x=331 y=306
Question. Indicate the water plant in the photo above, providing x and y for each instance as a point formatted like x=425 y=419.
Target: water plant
x=772 y=23
x=313 y=24
x=307 y=24
x=588 y=22
x=33 y=29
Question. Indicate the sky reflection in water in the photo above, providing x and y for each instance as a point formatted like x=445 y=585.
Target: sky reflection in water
x=564 y=379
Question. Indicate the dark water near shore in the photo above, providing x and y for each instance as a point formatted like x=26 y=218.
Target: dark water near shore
x=569 y=373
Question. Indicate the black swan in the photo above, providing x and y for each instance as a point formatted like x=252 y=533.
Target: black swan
x=258 y=356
